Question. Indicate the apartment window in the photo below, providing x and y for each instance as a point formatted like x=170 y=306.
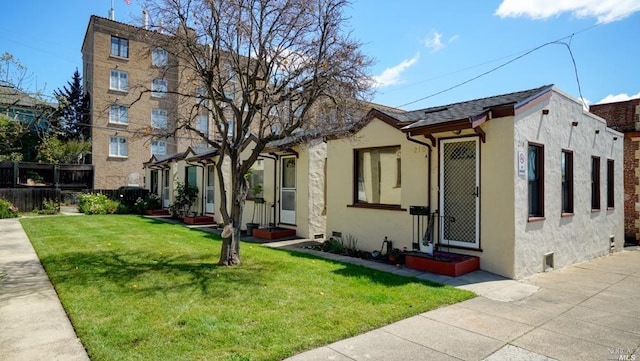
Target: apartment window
x=567 y=181
x=117 y=147
x=595 y=183
x=159 y=88
x=158 y=147
x=118 y=114
x=230 y=126
x=119 y=47
x=202 y=124
x=610 y=184
x=159 y=57
x=119 y=80
x=159 y=118
x=378 y=176
x=536 y=180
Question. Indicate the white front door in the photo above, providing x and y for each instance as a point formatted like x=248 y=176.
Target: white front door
x=288 y=190
x=459 y=193
x=211 y=177
x=165 y=189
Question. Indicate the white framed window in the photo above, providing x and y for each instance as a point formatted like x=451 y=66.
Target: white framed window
x=202 y=124
x=119 y=80
x=159 y=57
x=230 y=124
x=159 y=88
x=158 y=147
x=119 y=47
x=230 y=73
x=159 y=118
x=117 y=146
x=118 y=114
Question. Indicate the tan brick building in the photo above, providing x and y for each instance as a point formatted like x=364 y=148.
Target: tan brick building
x=624 y=116
x=131 y=87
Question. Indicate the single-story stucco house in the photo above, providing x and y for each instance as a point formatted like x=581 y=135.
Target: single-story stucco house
x=525 y=181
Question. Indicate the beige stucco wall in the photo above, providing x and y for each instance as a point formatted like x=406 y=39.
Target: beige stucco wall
x=370 y=226
x=585 y=234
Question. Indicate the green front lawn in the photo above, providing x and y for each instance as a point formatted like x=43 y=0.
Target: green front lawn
x=141 y=289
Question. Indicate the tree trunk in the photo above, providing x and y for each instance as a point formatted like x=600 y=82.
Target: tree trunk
x=230 y=252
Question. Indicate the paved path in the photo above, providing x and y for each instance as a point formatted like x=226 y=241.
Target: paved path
x=33 y=324
x=588 y=311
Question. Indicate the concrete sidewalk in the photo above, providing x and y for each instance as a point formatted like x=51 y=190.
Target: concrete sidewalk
x=33 y=324
x=588 y=311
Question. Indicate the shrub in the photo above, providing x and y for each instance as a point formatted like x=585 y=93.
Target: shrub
x=96 y=203
x=7 y=209
x=186 y=196
x=49 y=206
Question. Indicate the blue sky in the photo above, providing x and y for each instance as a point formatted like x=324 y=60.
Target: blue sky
x=427 y=53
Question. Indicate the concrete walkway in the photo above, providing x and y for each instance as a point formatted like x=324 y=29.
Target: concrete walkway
x=588 y=311
x=33 y=324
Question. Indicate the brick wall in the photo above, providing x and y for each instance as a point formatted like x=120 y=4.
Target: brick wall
x=625 y=117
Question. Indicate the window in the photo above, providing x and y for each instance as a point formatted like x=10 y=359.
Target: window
x=158 y=147
x=595 y=183
x=118 y=114
x=154 y=182
x=117 y=147
x=610 y=184
x=202 y=124
x=256 y=179
x=159 y=88
x=536 y=180
x=378 y=176
x=567 y=181
x=159 y=57
x=119 y=80
x=119 y=47
x=159 y=118
x=230 y=128
x=190 y=176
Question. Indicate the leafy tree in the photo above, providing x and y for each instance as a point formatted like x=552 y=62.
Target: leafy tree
x=73 y=110
x=257 y=67
x=53 y=150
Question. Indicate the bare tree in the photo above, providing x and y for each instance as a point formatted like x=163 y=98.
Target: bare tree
x=261 y=68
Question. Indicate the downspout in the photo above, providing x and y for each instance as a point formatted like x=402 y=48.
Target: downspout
x=428 y=166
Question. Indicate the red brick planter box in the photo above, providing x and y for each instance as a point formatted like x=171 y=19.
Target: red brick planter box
x=450 y=264
x=157 y=212
x=273 y=233
x=198 y=220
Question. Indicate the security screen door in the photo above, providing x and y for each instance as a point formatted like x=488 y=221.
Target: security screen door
x=459 y=193
x=288 y=190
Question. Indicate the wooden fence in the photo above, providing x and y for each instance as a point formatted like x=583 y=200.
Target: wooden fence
x=28 y=199
x=60 y=176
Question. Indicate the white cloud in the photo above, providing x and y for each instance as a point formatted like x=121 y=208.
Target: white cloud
x=617 y=98
x=604 y=10
x=391 y=76
x=453 y=38
x=434 y=43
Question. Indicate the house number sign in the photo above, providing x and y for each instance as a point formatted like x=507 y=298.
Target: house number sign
x=522 y=165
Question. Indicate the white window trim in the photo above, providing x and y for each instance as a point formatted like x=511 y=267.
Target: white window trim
x=164 y=114
x=126 y=148
x=162 y=91
x=159 y=143
x=118 y=74
x=119 y=118
x=159 y=57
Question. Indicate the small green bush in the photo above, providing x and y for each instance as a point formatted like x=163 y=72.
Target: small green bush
x=49 y=206
x=7 y=209
x=96 y=203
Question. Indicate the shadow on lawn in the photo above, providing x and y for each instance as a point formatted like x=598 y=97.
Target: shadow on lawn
x=354 y=270
x=146 y=272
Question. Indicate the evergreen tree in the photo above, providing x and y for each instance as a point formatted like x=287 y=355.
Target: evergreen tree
x=73 y=110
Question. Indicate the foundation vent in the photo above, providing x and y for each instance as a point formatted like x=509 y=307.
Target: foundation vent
x=547 y=262
x=318 y=236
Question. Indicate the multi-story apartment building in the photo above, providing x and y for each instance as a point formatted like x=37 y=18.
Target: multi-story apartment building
x=133 y=89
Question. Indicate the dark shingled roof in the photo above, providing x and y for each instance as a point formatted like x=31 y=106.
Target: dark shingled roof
x=462 y=110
